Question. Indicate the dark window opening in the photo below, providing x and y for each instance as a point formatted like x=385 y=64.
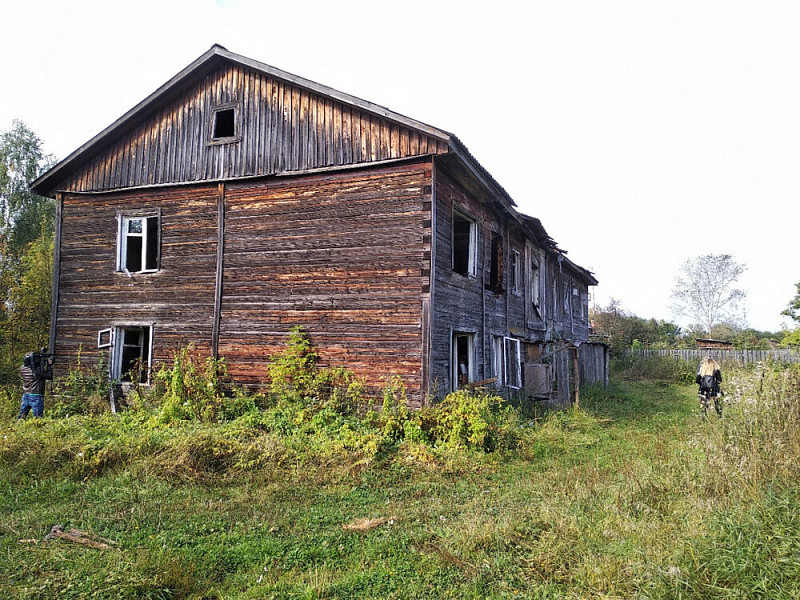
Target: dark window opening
x=139 y=245
x=134 y=354
x=463 y=242
x=151 y=250
x=224 y=123
x=133 y=257
x=496 y=269
x=513 y=370
x=462 y=359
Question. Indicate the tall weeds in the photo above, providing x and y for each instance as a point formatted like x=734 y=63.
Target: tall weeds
x=757 y=443
x=752 y=490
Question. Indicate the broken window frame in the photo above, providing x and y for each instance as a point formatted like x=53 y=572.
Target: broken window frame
x=105 y=338
x=458 y=378
x=515 y=272
x=469 y=268
x=567 y=311
x=151 y=228
x=512 y=353
x=214 y=139
x=145 y=345
x=507 y=349
x=535 y=279
x=577 y=304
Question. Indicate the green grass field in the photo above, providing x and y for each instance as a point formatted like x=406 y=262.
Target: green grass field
x=633 y=496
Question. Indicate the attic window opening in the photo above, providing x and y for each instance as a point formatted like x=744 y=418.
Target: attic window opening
x=224 y=123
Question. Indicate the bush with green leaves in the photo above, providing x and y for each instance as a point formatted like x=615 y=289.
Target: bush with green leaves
x=85 y=390
x=296 y=378
x=474 y=420
x=191 y=389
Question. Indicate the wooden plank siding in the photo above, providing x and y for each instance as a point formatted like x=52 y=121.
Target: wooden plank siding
x=342 y=255
x=466 y=304
x=280 y=128
x=177 y=300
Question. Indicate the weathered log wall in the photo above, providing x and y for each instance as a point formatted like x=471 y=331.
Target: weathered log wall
x=280 y=127
x=468 y=304
x=345 y=256
x=178 y=300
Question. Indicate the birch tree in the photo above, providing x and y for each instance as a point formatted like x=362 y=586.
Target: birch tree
x=705 y=290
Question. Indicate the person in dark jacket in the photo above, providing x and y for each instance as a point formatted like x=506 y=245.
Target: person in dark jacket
x=708 y=378
x=36 y=370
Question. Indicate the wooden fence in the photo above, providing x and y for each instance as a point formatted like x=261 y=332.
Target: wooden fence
x=742 y=357
x=593 y=363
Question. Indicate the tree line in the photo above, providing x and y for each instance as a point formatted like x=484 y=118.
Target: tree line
x=26 y=249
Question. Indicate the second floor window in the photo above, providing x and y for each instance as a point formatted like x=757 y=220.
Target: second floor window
x=515 y=272
x=496 y=267
x=138 y=243
x=465 y=241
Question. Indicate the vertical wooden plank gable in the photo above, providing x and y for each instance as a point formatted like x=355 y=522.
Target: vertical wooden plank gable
x=280 y=128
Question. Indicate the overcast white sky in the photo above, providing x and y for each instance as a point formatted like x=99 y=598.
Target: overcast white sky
x=641 y=133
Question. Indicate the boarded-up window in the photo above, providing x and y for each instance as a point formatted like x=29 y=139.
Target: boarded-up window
x=464 y=244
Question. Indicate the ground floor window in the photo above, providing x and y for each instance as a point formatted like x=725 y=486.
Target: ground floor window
x=463 y=359
x=507 y=362
x=131 y=353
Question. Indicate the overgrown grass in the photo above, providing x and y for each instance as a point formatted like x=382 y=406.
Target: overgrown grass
x=632 y=496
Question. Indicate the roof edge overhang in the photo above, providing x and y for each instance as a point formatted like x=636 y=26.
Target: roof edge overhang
x=531 y=225
x=214 y=57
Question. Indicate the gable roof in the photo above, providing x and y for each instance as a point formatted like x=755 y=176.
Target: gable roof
x=212 y=59
x=217 y=57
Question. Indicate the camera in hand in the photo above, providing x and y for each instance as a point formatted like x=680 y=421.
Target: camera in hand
x=38 y=359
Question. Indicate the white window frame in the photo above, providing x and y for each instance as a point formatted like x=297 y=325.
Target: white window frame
x=498 y=359
x=123 y=220
x=512 y=379
x=105 y=338
x=472 y=260
x=118 y=350
x=454 y=358
x=502 y=346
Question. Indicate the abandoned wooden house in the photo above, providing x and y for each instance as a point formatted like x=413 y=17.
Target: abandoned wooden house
x=238 y=201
